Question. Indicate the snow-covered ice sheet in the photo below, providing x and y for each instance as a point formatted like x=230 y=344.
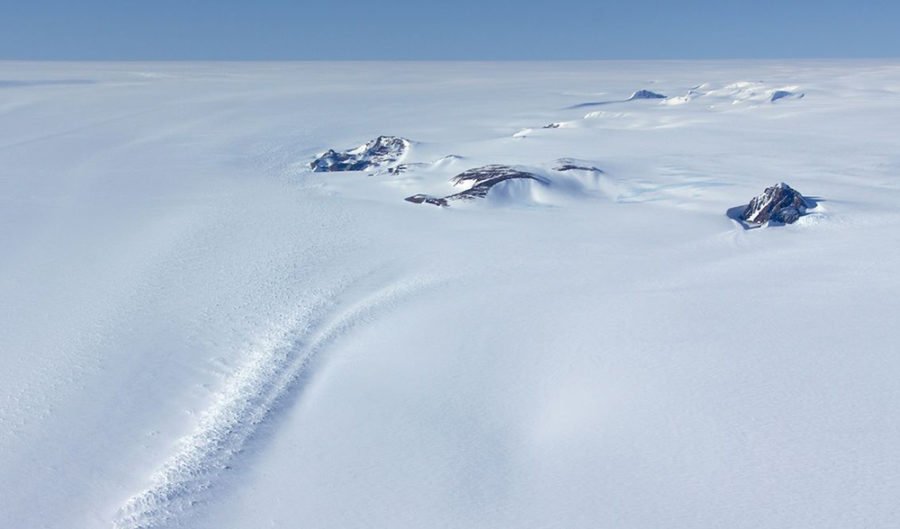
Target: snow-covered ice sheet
x=197 y=331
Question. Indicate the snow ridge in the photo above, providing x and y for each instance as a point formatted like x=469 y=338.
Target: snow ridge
x=246 y=400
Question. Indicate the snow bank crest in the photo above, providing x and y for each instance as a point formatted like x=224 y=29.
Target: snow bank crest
x=741 y=92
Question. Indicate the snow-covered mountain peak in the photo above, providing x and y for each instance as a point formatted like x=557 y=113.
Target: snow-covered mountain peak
x=645 y=94
x=379 y=152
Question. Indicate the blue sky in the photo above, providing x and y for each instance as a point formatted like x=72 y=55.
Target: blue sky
x=457 y=29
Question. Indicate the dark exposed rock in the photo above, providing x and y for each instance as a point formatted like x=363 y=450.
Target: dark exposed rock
x=570 y=167
x=428 y=199
x=379 y=152
x=640 y=94
x=552 y=126
x=779 y=203
x=782 y=94
x=404 y=167
x=480 y=191
x=488 y=175
x=645 y=94
x=480 y=180
x=567 y=164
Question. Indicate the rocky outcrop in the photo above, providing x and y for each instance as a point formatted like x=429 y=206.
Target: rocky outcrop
x=568 y=164
x=380 y=152
x=780 y=203
x=399 y=169
x=478 y=182
x=639 y=95
x=481 y=179
x=427 y=199
x=645 y=94
x=785 y=94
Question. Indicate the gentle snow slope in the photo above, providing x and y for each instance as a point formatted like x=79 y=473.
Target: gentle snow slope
x=197 y=331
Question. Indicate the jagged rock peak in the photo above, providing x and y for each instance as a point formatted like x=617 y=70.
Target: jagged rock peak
x=381 y=151
x=382 y=146
x=645 y=94
x=779 y=203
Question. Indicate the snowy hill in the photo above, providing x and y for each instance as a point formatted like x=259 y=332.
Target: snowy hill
x=215 y=316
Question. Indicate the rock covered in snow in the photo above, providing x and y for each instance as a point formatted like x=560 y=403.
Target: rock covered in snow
x=401 y=168
x=398 y=169
x=481 y=179
x=645 y=94
x=569 y=164
x=779 y=203
x=381 y=151
x=478 y=182
x=428 y=199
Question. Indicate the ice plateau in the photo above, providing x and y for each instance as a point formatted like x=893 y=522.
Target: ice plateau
x=211 y=321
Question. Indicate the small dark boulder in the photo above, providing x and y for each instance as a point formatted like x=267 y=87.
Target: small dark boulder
x=780 y=203
x=427 y=199
x=381 y=151
x=568 y=164
x=399 y=169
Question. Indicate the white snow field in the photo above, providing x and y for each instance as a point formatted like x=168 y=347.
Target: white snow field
x=197 y=331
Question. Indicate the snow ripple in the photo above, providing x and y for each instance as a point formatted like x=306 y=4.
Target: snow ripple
x=245 y=401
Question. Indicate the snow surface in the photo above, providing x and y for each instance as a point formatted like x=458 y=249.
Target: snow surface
x=199 y=332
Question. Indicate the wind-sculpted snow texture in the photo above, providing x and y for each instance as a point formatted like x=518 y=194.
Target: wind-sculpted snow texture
x=245 y=401
x=741 y=92
x=207 y=323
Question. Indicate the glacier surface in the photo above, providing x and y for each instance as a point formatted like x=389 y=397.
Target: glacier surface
x=198 y=331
